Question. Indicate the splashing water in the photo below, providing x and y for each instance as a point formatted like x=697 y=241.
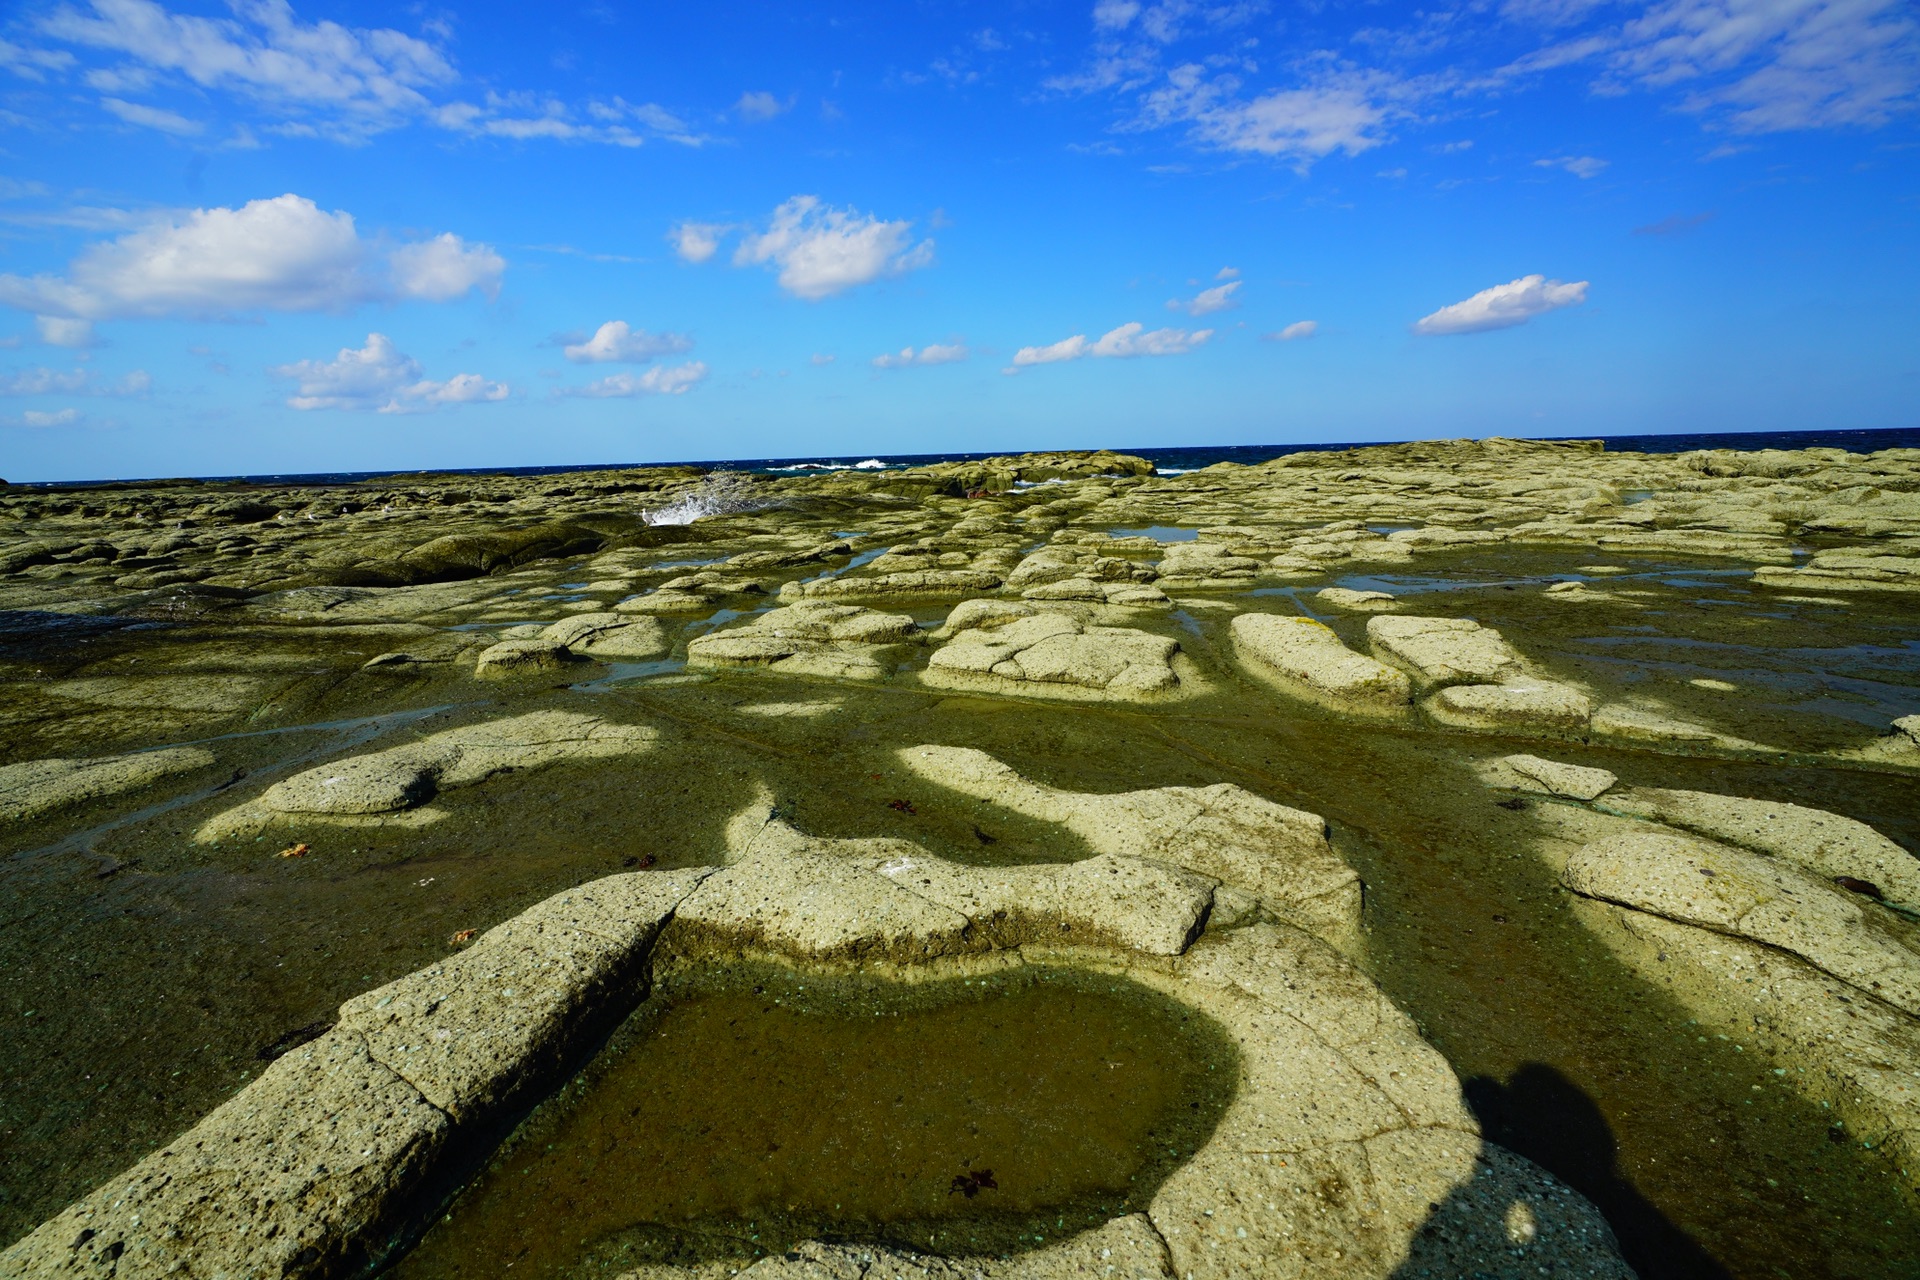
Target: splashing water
x=719 y=493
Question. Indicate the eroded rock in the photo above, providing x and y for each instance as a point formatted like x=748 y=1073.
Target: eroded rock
x=36 y=787
x=1305 y=658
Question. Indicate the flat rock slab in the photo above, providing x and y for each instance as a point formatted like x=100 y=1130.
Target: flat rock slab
x=1305 y=658
x=612 y=635
x=1826 y=844
x=811 y=638
x=35 y=787
x=1357 y=601
x=1535 y=707
x=1056 y=655
x=527 y=656
x=1548 y=777
x=1764 y=900
x=1281 y=855
x=1438 y=652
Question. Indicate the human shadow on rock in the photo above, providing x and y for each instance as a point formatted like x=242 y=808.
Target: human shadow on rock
x=1545 y=1117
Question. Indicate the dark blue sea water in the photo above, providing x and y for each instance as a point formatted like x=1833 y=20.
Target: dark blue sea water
x=1169 y=461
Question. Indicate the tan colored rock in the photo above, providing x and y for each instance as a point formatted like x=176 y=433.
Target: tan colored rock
x=612 y=635
x=474 y=1030
x=36 y=787
x=282 y=1180
x=811 y=638
x=1438 y=652
x=521 y=657
x=1357 y=601
x=1826 y=844
x=1281 y=855
x=1526 y=706
x=1764 y=900
x=1055 y=655
x=380 y=785
x=1831 y=1043
x=1550 y=777
x=1306 y=659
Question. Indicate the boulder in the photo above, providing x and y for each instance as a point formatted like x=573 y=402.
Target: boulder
x=1306 y=659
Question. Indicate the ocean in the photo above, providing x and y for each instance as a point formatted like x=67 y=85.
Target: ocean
x=1173 y=460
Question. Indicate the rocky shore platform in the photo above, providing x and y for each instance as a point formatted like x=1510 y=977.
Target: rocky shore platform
x=1525 y=830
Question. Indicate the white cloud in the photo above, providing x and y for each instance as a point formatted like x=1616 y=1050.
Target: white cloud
x=444 y=268
x=1578 y=166
x=1227 y=273
x=821 y=358
x=1114 y=15
x=1131 y=339
x=1296 y=331
x=61 y=331
x=932 y=353
x=152 y=117
x=282 y=254
x=759 y=105
x=696 y=241
x=1341 y=110
x=662 y=380
x=1770 y=65
x=264 y=53
x=821 y=251
x=1208 y=301
x=379 y=377
x=43 y=381
x=615 y=341
x=44 y=418
x=1504 y=306
x=524 y=117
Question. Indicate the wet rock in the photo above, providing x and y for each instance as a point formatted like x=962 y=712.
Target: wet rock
x=1054 y=655
x=1438 y=652
x=476 y=1029
x=1832 y=1042
x=1761 y=899
x=923 y=584
x=526 y=656
x=1281 y=855
x=1357 y=601
x=1826 y=844
x=36 y=787
x=1518 y=706
x=1305 y=658
x=1550 y=777
x=283 y=1180
x=811 y=638
x=611 y=635
x=402 y=777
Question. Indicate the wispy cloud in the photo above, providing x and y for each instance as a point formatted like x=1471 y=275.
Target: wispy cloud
x=319 y=79
x=1579 y=166
x=932 y=353
x=1208 y=301
x=1294 y=332
x=662 y=380
x=760 y=106
x=44 y=418
x=1503 y=306
x=43 y=381
x=1127 y=341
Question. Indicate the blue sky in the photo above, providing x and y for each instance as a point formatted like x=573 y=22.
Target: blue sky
x=255 y=238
